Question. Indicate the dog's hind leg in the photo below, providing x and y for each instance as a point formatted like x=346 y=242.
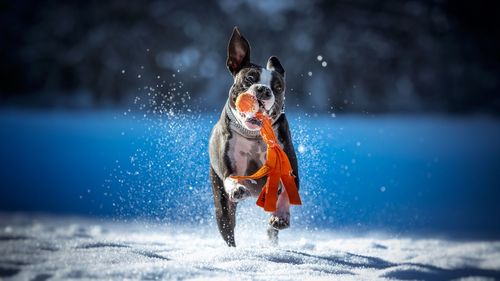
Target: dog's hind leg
x=225 y=210
x=280 y=219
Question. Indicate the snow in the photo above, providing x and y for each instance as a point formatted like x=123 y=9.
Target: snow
x=301 y=148
x=45 y=247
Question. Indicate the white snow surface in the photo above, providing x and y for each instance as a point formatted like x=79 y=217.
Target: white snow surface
x=46 y=247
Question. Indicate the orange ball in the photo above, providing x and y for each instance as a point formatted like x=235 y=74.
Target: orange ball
x=247 y=102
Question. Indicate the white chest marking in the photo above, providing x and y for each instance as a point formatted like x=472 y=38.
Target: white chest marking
x=242 y=150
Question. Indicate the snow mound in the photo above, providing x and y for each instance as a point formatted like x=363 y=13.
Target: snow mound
x=65 y=248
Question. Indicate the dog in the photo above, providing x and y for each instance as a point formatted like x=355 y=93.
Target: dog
x=236 y=147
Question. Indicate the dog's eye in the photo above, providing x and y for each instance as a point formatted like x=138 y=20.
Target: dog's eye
x=248 y=81
x=278 y=87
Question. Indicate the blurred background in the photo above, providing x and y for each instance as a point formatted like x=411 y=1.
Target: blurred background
x=388 y=56
x=106 y=108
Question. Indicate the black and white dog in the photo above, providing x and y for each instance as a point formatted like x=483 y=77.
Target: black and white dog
x=236 y=147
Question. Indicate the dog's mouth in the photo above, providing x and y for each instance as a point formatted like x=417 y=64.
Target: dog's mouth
x=253 y=123
x=249 y=119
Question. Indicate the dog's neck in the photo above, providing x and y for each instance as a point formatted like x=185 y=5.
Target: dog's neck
x=239 y=128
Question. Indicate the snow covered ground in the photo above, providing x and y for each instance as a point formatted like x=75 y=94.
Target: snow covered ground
x=45 y=247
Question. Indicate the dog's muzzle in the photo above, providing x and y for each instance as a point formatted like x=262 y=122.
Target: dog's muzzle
x=263 y=93
x=265 y=98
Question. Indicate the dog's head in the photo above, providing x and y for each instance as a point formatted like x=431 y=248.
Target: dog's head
x=267 y=84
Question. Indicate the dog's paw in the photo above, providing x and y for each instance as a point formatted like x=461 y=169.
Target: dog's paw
x=238 y=193
x=280 y=222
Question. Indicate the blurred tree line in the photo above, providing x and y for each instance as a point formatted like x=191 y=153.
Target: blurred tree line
x=356 y=56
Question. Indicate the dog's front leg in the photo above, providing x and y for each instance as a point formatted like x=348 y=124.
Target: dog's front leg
x=235 y=190
x=225 y=210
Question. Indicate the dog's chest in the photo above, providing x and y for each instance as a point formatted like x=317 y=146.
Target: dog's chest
x=246 y=155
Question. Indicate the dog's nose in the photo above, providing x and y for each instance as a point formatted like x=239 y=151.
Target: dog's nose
x=263 y=92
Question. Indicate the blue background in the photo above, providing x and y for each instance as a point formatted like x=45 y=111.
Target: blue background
x=424 y=175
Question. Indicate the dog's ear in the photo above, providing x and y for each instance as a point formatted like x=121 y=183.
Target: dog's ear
x=238 y=52
x=274 y=64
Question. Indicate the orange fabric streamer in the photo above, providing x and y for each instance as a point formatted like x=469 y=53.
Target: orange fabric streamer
x=277 y=167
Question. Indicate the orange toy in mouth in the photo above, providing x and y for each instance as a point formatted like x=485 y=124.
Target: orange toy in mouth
x=247 y=103
x=277 y=167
